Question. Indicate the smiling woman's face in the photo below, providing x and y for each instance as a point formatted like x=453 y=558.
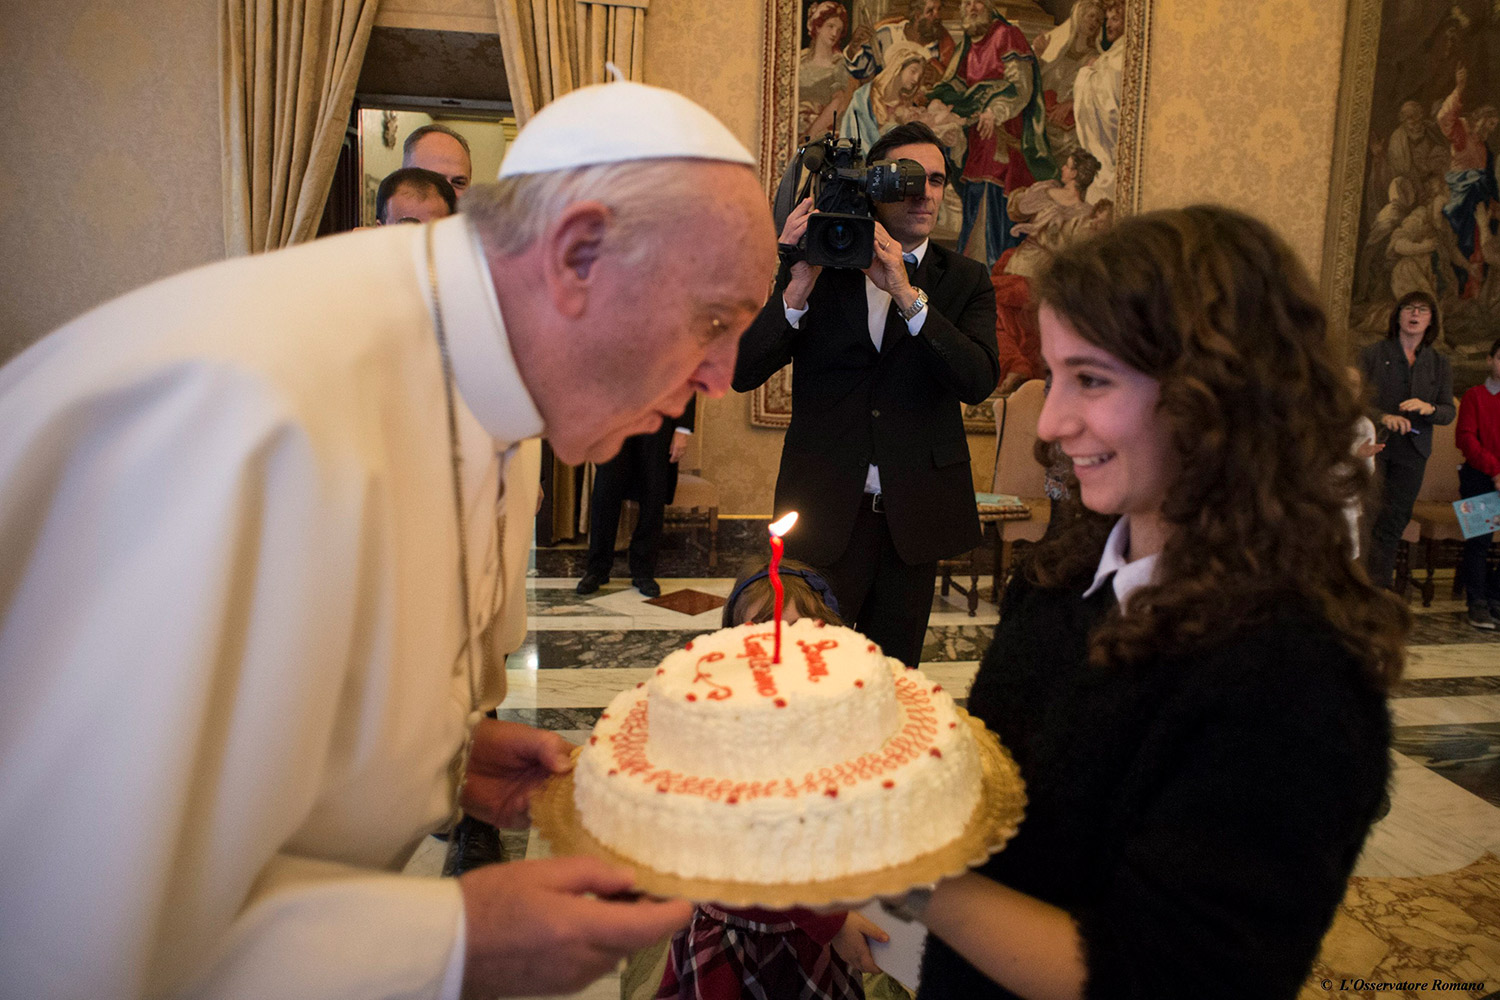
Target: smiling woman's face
x=1103 y=415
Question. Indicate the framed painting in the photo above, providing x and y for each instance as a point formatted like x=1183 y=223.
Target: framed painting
x=1046 y=149
x=1414 y=204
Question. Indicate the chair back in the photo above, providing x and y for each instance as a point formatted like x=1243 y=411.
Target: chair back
x=1440 y=480
x=1017 y=471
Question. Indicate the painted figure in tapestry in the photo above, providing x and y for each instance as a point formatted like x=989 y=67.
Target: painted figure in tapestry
x=1026 y=99
x=1431 y=218
x=823 y=81
x=996 y=85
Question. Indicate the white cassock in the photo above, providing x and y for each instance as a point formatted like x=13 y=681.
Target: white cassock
x=231 y=685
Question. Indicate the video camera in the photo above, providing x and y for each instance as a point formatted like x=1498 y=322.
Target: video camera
x=841 y=231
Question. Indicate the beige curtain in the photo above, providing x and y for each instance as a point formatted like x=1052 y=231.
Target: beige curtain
x=287 y=72
x=554 y=46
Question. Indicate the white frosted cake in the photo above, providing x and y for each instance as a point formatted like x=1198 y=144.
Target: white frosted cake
x=835 y=761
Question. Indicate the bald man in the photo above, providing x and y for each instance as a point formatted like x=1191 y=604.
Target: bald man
x=443 y=151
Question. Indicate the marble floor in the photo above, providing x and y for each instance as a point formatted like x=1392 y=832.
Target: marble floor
x=1423 y=908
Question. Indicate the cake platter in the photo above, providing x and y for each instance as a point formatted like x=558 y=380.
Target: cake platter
x=1002 y=805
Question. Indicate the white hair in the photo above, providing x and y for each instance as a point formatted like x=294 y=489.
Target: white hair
x=642 y=196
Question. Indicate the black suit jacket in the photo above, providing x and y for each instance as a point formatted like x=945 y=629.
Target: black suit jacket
x=897 y=408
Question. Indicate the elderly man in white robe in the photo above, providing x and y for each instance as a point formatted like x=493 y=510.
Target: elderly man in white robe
x=250 y=575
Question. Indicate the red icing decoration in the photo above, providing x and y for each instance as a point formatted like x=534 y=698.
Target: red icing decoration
x=819 y=623
x=641 y=684
x=603 y=715
x=732 y=799
x=689 y=645
x=870 y=648
x=780 y=703
x=936 y=688
x=915 y=736
x=760 y=663
x=887 y=783
x=935 y=752
x=859 y=684
x=717 y=691
x=952 y=725
x=832 y=793
x=817 y=667
x=613 y=772
x=660 y=671
x=691 y=696
x=593 y=740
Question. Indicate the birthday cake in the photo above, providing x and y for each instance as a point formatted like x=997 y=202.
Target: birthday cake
x=726 y=765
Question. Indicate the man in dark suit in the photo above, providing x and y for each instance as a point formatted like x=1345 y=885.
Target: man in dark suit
x=645 y=470
x=875 y=460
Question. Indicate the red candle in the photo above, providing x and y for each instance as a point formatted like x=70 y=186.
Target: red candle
x=778 y=529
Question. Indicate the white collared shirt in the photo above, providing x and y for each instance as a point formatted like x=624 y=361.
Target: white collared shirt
x=1129 y=576
x=878 y=306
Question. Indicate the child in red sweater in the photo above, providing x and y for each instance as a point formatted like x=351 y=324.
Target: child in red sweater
x=1478 y=435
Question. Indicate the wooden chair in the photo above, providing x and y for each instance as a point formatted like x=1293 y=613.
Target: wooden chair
x=1433 y=512
x=1018 y=473
x=695 y=507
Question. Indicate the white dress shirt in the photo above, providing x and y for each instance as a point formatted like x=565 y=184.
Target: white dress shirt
x=1125 y=577
x=878 y=307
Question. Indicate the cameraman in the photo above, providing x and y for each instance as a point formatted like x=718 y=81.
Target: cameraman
x=875 y=459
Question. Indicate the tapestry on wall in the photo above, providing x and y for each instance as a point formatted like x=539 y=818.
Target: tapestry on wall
x=1430 y=208
x=1035 y=100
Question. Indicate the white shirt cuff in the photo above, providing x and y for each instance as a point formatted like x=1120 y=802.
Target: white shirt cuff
x=914 y=325
x=794 y=316
x=453 y=978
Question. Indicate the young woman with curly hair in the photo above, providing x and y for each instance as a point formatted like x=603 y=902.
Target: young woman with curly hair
x=1192 y=674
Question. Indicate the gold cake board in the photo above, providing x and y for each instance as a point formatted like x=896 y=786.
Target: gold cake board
x=1002 y=805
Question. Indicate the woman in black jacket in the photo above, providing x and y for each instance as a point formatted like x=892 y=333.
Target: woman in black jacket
x=1192 y=674
x=1412 y=389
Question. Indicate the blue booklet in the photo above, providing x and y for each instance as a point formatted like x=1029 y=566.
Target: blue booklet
x=997 y=499
x=1478 y=515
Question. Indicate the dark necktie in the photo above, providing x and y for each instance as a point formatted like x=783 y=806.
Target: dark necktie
x=911 y=267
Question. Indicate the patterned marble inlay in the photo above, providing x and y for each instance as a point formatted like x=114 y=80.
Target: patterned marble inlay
x=956 y=642
x=1440 y=929
x=594 y=648
x=1460 y=659
x=552 y=718
x=688 y=602
x=1467 y=755
x=1449 y=626
x=1446 y=686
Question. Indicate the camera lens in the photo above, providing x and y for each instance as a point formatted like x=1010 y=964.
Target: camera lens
x=839 y=237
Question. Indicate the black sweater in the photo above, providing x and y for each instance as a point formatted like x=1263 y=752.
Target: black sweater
x=1198 y=817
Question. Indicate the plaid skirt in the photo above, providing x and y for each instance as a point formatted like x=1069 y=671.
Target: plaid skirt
x=723 y=956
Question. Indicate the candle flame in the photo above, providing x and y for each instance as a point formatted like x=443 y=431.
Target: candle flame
x=784 y=525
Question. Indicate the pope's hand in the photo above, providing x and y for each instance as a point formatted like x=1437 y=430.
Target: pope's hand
x=508 y=763
x=534 y=927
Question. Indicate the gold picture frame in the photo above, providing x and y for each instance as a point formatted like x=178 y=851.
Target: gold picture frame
x=771 y=403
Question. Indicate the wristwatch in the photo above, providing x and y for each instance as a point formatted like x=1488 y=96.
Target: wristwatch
x=917 y=305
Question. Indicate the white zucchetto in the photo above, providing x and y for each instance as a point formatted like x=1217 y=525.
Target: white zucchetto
x=615 y=123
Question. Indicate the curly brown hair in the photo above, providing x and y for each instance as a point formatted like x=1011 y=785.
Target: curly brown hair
x=1217 y=307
